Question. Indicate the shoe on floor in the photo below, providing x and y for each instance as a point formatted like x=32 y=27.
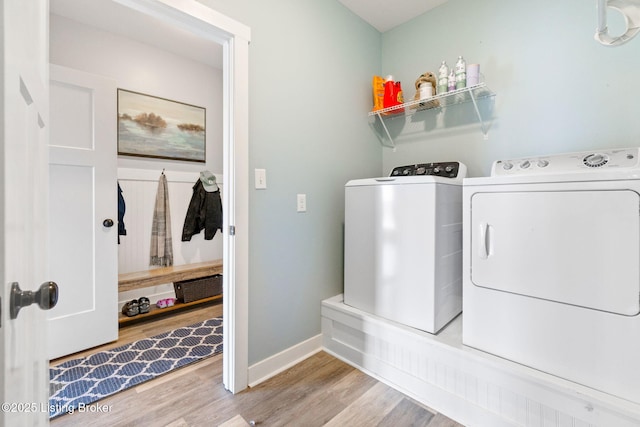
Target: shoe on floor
x=131 y=308
x=167 y=302
x=144 y=305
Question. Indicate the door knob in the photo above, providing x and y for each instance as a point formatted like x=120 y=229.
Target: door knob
x=108 y=222
x=46 y=297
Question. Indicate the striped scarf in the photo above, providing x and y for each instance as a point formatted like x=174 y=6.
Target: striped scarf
x=161 y=243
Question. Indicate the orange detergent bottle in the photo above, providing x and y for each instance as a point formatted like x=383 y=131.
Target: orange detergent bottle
x=378 y=93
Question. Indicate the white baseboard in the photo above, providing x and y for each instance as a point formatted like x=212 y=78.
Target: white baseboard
x=282 y=361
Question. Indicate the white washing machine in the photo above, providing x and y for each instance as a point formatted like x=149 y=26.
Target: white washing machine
x=551 y=266
x=403 y=245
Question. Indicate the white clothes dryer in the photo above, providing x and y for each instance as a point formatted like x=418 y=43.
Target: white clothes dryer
x=403 y=245
x=551 y=266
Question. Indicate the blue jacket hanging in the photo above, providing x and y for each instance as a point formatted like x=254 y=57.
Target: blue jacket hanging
x=122 y=231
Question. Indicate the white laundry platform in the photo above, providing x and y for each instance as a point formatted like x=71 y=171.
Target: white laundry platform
x=467 y=385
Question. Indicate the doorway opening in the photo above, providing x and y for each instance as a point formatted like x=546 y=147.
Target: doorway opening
x=202 y=32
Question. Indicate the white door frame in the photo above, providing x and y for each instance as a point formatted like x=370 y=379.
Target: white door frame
x=234 y=37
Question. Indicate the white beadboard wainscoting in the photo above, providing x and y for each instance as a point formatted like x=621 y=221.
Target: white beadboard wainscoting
x=469 y=386
x=139 y=189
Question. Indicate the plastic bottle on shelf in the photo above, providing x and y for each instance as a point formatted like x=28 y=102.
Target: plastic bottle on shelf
x=461 y=73
x=398 y=93
x=392 y=94
x=398 y=97
x=473 y=74
x=452 y=80
x=443 y=75
x=389 y=89
x=378 y=93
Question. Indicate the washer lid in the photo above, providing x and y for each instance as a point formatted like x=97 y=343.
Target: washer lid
x=403 y=180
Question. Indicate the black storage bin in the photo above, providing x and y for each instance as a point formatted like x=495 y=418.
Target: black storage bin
x=196 y=289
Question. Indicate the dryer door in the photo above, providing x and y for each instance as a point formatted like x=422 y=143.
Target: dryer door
x=573 y=247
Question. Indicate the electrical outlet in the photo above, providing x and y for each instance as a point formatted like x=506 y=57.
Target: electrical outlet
x=302 y=202
x=260 y=179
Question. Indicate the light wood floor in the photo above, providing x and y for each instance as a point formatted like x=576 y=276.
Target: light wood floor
x=320 y=391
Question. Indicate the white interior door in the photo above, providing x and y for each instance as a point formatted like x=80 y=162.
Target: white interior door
x=83 y=194
x=23 y=209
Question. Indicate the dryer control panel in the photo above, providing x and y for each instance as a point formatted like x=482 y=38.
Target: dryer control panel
x=443 y=169
x=585 y=161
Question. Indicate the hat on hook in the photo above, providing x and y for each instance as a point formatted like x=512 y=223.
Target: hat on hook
x=208 y=181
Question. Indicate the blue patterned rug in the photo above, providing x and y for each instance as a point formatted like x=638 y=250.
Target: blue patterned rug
x=79 y=382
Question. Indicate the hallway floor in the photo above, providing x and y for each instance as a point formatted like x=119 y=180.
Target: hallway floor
x=320 y=391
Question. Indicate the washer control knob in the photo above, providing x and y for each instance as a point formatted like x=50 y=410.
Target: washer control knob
x=406 y=172
x=421 y=170
x=436 y=170
x=507 y=166
x=448 y=168
x=543 y=163
x=595 y=160
x=525 y=164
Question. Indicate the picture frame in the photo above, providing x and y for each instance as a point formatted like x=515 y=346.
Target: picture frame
x=150 y=126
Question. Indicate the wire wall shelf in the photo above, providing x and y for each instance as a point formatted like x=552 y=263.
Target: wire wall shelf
x=458 y=96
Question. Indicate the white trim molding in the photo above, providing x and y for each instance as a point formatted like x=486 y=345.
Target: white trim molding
x=133 y=174
x=234 y=38
x=469 y=386
x=282 y=361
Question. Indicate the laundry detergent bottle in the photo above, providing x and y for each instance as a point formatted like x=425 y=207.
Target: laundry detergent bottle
x=397 y=91
x=389 y=99
x=443 y=77
x=461 y=73
x=392 y=93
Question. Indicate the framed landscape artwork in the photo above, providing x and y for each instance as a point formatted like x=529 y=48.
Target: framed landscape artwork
x=149 y=126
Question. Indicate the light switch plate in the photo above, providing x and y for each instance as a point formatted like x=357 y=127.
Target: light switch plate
x=302 y=202
x=260 y=179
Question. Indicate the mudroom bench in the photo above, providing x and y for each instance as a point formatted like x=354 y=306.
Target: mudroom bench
x=159 y=276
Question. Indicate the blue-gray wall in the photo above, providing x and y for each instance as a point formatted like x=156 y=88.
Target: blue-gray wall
x=311 y=63
x=557 y=89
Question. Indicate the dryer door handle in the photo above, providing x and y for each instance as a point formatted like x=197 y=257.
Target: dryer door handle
x=484 y=247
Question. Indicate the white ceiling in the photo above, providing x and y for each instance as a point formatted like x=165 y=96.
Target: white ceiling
x=384 y=15
x=110 y=16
